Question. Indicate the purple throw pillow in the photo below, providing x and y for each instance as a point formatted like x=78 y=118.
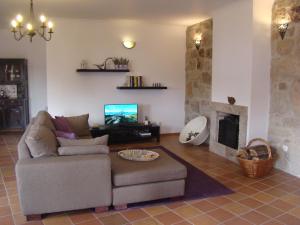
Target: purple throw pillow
x=67 y=135
x=62 y=124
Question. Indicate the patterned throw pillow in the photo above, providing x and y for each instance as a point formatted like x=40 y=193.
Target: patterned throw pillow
x=43 y=118
x=41 y=141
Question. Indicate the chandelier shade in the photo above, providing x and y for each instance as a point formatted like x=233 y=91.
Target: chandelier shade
x=43 y=27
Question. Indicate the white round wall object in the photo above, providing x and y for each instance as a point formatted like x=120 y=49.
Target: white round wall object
x=197 y=125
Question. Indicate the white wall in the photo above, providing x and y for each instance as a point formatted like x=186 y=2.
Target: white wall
x=242 y=59
x=159 y=56
x=232 y=52
x=35 y=53
x=261 y=69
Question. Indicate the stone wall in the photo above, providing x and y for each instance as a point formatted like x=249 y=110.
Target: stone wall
x=198 y=71
x=284 y=126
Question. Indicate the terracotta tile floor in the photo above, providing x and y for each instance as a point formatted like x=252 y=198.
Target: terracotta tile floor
x=274 y=200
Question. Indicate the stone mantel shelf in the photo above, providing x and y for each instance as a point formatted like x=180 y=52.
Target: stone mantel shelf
x=231 y=109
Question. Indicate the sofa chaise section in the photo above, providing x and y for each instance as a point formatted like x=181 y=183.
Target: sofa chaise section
x=145 y=181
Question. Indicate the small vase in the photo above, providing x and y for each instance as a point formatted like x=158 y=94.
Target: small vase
x=231 y=100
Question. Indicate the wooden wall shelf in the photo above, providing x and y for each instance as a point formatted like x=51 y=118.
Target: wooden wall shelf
x=142 y=88
x=101 y=71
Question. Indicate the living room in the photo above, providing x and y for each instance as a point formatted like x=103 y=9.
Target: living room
x=185 y=63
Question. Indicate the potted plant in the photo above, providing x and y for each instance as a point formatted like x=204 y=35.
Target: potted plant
x=117 y=63
x=123 y=63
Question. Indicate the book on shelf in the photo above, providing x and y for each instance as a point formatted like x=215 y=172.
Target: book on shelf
x=135 y=81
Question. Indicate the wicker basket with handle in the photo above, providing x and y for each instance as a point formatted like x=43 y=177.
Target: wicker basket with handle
x=257 y=168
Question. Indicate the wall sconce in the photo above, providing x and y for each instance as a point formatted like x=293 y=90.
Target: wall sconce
x=283 y=25
x=129 y=44
x=198 y=40
x=282 y=29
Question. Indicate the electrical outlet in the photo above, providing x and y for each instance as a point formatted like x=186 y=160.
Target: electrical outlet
x=285 y=148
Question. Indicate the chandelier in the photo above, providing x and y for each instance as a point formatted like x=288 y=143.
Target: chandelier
x=43 y=27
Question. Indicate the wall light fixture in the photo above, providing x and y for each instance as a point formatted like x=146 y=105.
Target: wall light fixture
x=283 y=25
x=198 y=40
x=129 y=44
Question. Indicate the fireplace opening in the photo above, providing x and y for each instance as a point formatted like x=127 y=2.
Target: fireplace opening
x=229 y=130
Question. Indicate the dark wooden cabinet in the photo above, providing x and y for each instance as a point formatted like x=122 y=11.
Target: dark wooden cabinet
x=14 y=108
x=127 y=133
x=2 y=117
x=14 y=116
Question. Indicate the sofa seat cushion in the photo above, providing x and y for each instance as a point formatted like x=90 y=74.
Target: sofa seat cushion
x=126 y=172
x=41 y=141
x=83 y=150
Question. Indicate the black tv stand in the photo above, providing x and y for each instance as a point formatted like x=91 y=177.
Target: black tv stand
x=126 y=133
x=127 y=125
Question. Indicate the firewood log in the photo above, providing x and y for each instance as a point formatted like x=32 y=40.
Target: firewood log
x=259 y=151
x=243 y=154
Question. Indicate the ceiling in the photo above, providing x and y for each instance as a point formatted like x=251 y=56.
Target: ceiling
x=181 y=12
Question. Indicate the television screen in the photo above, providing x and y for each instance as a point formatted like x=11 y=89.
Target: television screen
x=120 y=114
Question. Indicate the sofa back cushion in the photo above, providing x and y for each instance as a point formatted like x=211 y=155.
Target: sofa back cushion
x=63 y=142
x=80 y=125
x=41 y=141
x=43 y=118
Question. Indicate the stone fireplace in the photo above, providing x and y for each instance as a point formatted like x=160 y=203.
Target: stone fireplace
x=238 y=116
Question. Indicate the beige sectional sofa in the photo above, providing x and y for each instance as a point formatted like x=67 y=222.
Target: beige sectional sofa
x=62 y=183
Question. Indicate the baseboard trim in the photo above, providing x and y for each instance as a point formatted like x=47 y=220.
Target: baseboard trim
x=169 y=134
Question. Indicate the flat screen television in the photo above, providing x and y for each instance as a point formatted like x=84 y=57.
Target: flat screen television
x=120 y=114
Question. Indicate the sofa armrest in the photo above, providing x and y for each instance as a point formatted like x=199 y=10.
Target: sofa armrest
x=55 y=184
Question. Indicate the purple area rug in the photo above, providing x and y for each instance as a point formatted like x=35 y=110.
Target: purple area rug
x=198 y=184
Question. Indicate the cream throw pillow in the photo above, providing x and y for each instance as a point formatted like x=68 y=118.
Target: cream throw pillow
x=83 y=142
x=83 y=150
